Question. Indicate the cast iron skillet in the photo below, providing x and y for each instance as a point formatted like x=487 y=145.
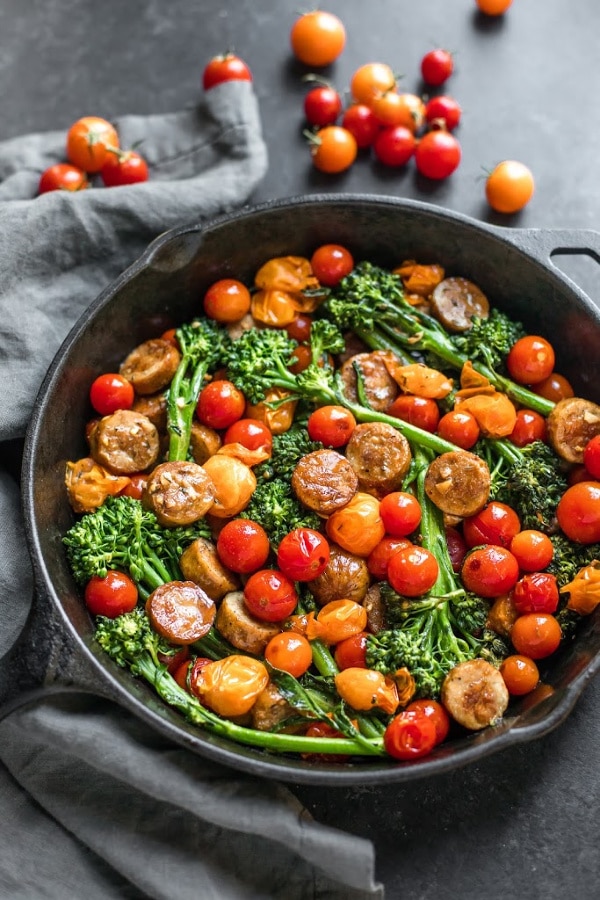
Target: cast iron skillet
x=513 y=267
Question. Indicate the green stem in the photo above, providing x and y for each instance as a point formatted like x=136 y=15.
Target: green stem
x=183 y=397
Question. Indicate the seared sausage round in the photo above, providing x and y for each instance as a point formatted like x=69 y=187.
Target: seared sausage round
x=200 y=563
x=380 y=456
x=375 y=607
x=458 y=483
x=455 y=301
x=324 y=481
x=204 y=442
x=180 y=611
x=271 y=709
x=178 y=493
x=571 y=424
x=380 y=387
x=125 y=442
x=241 y=628
x=346 y=577
x=154 y=407
x=151 y=365
x=474 y=693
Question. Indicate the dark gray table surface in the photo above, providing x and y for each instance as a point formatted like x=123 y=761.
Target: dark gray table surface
x=523 y=823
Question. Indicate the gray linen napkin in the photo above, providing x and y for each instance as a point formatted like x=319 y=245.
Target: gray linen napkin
x=93 y=803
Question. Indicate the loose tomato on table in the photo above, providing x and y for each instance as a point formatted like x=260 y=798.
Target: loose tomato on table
x=394 y=145
x=250 y=433
x=270 y=595
x=243 y=546
x=303 y=554
x=497 y=523
x=333 y=149
x=322 y=106
x=226 y=67
x=289 y=652
x=410 y=735
x=62 y=177
x=437 y=66
x=437 y=154
x=412 y=571
x=443 y=110
x=361 y=121
x=530 y=359
x=112 y=595
x=332 y=425
x=459 y=428
x=220 y=404
x=493 y=7
x=489 y=571
x=351 y=653
x=520 y=673
x=532 y=549
x=227 y=300
x=536 y=635
x=536 y=592
x=509 y=186
x=400 y=512
x=378 y=559
x=420 y=411
x=578 y=512
x=330 y=263
x=110 y=392
x=89 y=143
x=124 y=167
x=317 y=38
x=372 y=80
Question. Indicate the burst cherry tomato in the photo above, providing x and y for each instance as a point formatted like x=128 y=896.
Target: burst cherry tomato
x=410 y=735
x=420 y=411
x=529 y=427
x=378 y=559
x=509 y=186
x=556 y=387
x=62 y=177
x=413 y=571
x=227 y=67
x=220 y=404
x=330 y=263
x=361 y=121
x=289 y=652
x=520 y=674
x=110 y=596
x=591 y=456
x=317 y=38
x=357 y=526
x=489 y=571
x=437 y=66
x=530 y=359
x=438 y=715
x=88 y=143
x=270 y=595
x=400 y=513
x=459 y=428
x=493 y=7
x=578 y=512
x=124 y=167
x=370 y=81
x=536 y=592
x=532 y=549
x=243 y=546
x=322 y=106
x=303 y=554
x=341 y=619
x=394 y=146
x=536 y=635
x=227 y=300
x=250 y=433
x=437 y=154
x=496 y=523
x=193 y=674
x=332 y=425
x=110 y=392
x=333 y=149
x=443 y=109
x=351 y=653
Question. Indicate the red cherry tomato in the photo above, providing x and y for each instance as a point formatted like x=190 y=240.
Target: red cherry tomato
x=410 y=735
x=299 y=328
x=62 y=177
x=110 y=392
x=578 y=512
x=437 y=154
x=536 y=635
x=89 y=141
x=438 y=715
x=243 y=546
x=529 y=427
x=332 y=425
x=444 y=110
x=520 y=674
x=220 y=404
x=420 y=411
x=489 y=571
x=591 y=456
x=351 y=653
x=170 y=335
x=111 y=596
x=400 y=513
x=317 y=38
x=532 y=549
x=251 y=434
x=289 y=652
x=124 y=167
x=361 y=121
x=413 y=571
x=555 y=387
x=394 y=146
x=322 y=106
x=303 y=554
x=193 y=674
x=496 y=523
x=457 y=547
x=270 y=595
x=333 y=149
x=459 y=428
x=536 y=592
x=227 y=67
x=135 y=488
x=437 y=66
x=530 y=359
x=378 y=559
x=330 y=263
x=227 y=300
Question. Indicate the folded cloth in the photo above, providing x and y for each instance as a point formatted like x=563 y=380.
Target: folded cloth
x=94 y=803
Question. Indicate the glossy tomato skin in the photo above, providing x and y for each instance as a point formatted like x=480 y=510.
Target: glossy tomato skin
x=362 y=122
x=437 y=67
x=443 y=109
x=251 y=434
x=536 y=635
x=591 y=456
x=493 y=7
x=378 y=559
x=110 y=392
x=457 y=547
x=330 y=263
x=227 y=300
x=333 y=149
x=400 y=512
x=351 y=653
x=227 y=67
x=372 y=80
x=489 y=571
x=530 y=359
x=509 y=186
x=437 y=713
x=62 y=177
x=270 y=595
x=420 y=411
x=299 y=328
x=578 y=512
x=536 y=592
x=410 y=735
x=111 y=596
x=520 y=673
x=529 y=427
x=437 y=155
x=124 y=168
x=496 y=523
x=88 y=143
x=303 y=554
x=289 y=652
x=322 y=106
x=555 y=387
x=394 y=146
x=243 y=546
x=136 y=486
x=220 y=404
x=317 y=38
x=332 y=425
x=532 y=549
x=412 y=571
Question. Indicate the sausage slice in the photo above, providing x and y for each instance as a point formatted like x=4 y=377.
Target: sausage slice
x=571 y=424
x=204 y=442
x=458 y=483
x=376 y=609
x=270 y=709
x=380 y=387
x=180 y=611
x=474 y=693
x=154 y=407
x=200 y=563
x=324 y=481
x=455 y=301
x=241 y=628
x=151 y=366
x=179 y=493
x=380 y=456
x=125 y=442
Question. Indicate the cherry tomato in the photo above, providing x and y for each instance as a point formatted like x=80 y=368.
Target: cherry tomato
x=393 y=109
x=536 y=635
x=357 y=526
x=365 y=689
x=529 y=427
x=410 y=735
x=555 y=387
x=322 y=106
x=250 y=433
x=444 y=110
x=231 y=685
x=220 y=404
x=227 y=67
x=110 y=392
x=243 y=546
x=124 y=167
x=496 y=523
x=289 y=652
x=341 y=619
x=227 y=300
x=361 y=121
x=438 y=715
x=320 y=730
x=333 y=149
x=509 y=186
x=332 y=425
x=303 y=554
x=378 y=559
x=62 y=177
x=489 y=571
x=330 y=263
x=317 y=38
x=437 y=67
x=437 y=154
x=88 y=140
x=413 y=571
x=270 y=595
x=532 y=549
x=111 y=596
x=170 y=335
x=400 y=513
x=370 y=81
x=194 y=673
x=536 y=592
x=420 y=411
x=530 y=359
x=394 y=146
x=578 y=512
x=459 y=428
x=457 y=547
x=351 y=653
x=591 y=456
x=299 y=328
x=493 y=7
x=302 y=359
x=135 y=488
x=520 y=673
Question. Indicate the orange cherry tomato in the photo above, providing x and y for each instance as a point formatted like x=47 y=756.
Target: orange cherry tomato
x=530 y=359
x=227 y=300
x=509 y=186
x=341 y=619
x=333 y=149
x=289 y=652
x=230 y=686
x=357 y=527
x=532 y=549
x=392 y=109
x=88 y=143
x=317 y=38
x=555 y=387
x=578 y=512
x=332 y=425
x=234 y=484
x=372 y=80
x=520 y=673
x=493 y=7
x=366 y=689
x=536 y=635
x=459 y=428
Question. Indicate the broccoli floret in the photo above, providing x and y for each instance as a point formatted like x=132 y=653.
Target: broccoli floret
x=288 y=448
x=569 y=558
x=128 y=636
x=489 y=340
x=277 y=509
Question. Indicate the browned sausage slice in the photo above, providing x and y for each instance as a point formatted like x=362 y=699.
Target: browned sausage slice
x=154 y=407
x=458 y=483
x=324 y=481
x=241 y=628
x=571 y=424
x=204 y=442
x=455 y=301
x=380 y=387
x=151 y=365
x=180 y=611
x=375 y=607
x=125 y=442
x=380 y=456
x=200 y=563
x=179 y=493
x=346 y=577
x=270 y=709
x=474 y=693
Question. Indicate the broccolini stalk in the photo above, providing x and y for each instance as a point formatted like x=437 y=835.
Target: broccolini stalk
x=202 y=345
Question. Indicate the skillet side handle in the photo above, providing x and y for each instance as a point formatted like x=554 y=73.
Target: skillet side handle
x=546 y=243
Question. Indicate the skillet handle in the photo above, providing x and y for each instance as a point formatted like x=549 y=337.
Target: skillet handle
x=546 y=243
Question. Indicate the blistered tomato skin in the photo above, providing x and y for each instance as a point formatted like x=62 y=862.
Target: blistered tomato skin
x=489 y=571
x=536 y=593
